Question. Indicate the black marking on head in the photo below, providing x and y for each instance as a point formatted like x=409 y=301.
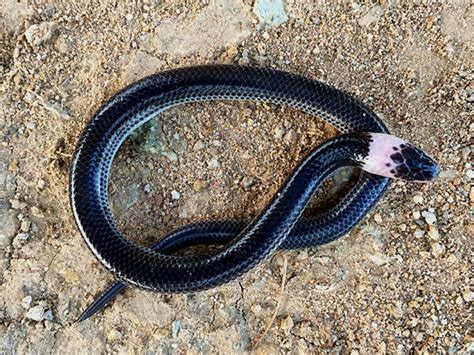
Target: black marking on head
x=413 y=164
x=395 y=148
x=397 y=158
x=388 y=164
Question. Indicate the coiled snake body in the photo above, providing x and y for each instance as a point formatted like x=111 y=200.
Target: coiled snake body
x=279 y=226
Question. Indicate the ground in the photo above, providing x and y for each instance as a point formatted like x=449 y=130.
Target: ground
x=399 y=282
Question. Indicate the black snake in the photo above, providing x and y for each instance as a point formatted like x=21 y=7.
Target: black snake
x=280 y=225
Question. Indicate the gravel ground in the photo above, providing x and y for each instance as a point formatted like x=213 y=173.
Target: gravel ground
x=400 y=282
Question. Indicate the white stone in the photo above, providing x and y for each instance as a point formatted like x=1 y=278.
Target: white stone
x=418 y=199
x=213 y=163
x=270 y=13
x=26 y=302
x=36 y=313
x=430 y=217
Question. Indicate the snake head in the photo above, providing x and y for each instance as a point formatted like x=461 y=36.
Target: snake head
x=395 y=158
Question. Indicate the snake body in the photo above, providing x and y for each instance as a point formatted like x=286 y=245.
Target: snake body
x=279 y=226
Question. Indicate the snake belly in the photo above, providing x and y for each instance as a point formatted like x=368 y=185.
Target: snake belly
x=279 y=226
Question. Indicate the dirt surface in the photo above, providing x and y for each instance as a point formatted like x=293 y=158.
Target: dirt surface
x=399 y=282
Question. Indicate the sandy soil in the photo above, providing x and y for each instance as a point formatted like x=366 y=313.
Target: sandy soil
x=398 y=283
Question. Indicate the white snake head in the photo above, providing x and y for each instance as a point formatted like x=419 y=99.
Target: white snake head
x=395 y=158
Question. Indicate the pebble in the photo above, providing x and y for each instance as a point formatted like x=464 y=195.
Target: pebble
x=287 y=324
x=430 y=217
x=175 y=327
x=468 y=295
x=433 y=233
x=316 y=20
x=437 y=249
x=418 y=199
x=38 y=34
x=26 y=302
x=175 y=195
x=4 y=241
x=147 y=188
x=200 y=185
x=25 y=225
x=41 y=184
x=419 y=233
x=213 y=163
x=49 y=325
x=270 y=13
x=373 y=15
x=17 y=204
x=279 y=132
x=378 y=218
x=36 y=313
x=247 y=182
x=199 y=145
x=291 y=137
x=31 y=125
x=48 y=315
x=114 y=334
x=20 y=240
x=416 y=214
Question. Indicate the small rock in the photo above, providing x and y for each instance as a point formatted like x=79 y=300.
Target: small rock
x=199 y=145
x=378 y=218
x=31 y=125
x=430 y=217
x=114 y=334
x=41 y=184
x=468 y=295
x=49 y=325
x=213 y=163
x=147 y=188
x=229 y=54
x=20 y=240
x=437 y=249
x=270 y=13
x=36 y=313
x=247 y=182
x=25 y=225
x=172 y=156
x=418 y=199
x=38 y=34
x=200 y=185
x=279 y=132
x=316 y=20
x=416 y=215
x=175 y=195
x=4 y=241
x=48 y=315
x=17 y=204
x=175 y=326
x=373 y=15
x=418 y=233
x=287 y=324
x=26 y=302
x=291 y=136
x=433 y=233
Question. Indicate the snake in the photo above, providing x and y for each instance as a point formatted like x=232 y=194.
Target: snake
x=364 y=143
